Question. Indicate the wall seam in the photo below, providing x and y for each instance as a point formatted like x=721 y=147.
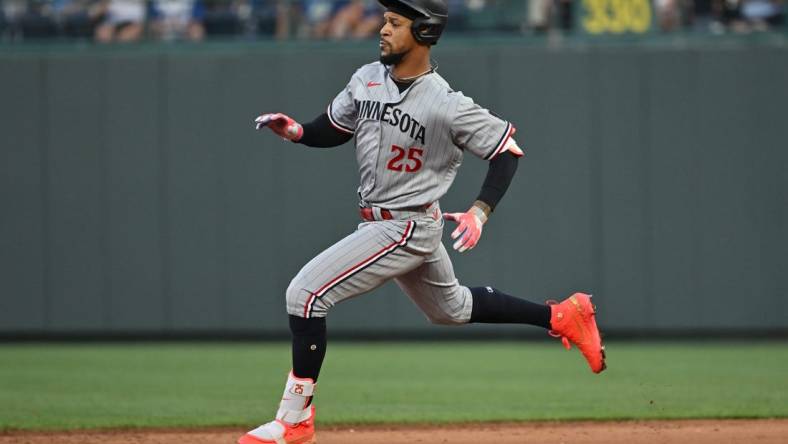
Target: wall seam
x=46 y=198
x=647 y=241
x=163 y=194
x=105 y=216
x=596 y=213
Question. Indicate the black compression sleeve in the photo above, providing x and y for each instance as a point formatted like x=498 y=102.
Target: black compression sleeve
x=309 y=345
x=321 y=134
x=499 y=175
x=492 y=306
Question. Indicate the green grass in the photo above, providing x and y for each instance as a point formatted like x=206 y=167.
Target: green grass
x=85 y=386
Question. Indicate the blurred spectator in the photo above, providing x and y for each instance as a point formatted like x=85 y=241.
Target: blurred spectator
x=358 y=19
x=272 y=18
x=565 y=16
x=37 y=20
x=458 y=14
x=77 y=18
x=132 y=20
x=742 y=16
x=265 y=17
x=762 y=14
x=223 y=17
x=668 y=14
x=700 y=16
x=546 y=14
x=123 y=21
x=539 y=15
x=177 y=19
x=318 y=15
x=12 y=11
x=729 y=15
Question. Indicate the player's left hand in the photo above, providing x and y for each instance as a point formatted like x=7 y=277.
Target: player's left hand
x=469 y=229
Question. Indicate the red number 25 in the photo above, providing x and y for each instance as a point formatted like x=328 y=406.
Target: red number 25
x=414 y=159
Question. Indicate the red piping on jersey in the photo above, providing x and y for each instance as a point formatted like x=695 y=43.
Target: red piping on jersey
x=335 y=124
x=358 y=267
x=509 y=131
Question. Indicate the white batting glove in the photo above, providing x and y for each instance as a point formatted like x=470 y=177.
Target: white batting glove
x=512 y=147
x=469 y=229
x=281 y=124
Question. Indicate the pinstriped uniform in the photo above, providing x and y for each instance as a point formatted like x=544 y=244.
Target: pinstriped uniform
x=429 y=116
x=409 y=147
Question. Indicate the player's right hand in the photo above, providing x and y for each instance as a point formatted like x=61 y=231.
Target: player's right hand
x=469 y=228
x=284 y=126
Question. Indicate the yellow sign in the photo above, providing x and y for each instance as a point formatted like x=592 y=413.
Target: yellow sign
x=616 y=16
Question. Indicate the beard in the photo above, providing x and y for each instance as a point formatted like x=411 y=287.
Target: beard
x=392 y=59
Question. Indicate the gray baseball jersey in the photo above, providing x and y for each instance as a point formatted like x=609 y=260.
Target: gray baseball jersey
x=409 y=146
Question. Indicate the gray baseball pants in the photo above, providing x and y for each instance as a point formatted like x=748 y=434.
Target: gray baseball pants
x=407 y=248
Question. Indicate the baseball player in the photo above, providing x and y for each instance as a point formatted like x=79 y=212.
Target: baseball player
x=411 y=132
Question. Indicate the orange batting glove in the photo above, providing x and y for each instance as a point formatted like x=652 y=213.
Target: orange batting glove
x=284 y=126
x=470 y=226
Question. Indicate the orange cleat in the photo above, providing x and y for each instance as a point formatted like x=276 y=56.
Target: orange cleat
x=280 y=432
x=573 y=320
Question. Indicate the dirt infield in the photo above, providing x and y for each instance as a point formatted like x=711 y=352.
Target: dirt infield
x=658 y=432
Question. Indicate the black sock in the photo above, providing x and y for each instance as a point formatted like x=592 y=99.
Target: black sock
x=309 y=346
x=492 y=306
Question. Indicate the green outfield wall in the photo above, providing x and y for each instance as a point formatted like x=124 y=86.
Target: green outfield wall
x=137 y=197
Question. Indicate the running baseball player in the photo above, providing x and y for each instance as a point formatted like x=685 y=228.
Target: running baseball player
x=411 y=132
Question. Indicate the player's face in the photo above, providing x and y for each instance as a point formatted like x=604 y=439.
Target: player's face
x=395 y=38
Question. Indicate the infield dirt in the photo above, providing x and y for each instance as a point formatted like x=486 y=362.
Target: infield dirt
x=658 y=432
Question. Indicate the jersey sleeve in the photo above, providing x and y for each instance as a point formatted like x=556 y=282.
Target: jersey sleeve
x=342 y=110
x=477 y=130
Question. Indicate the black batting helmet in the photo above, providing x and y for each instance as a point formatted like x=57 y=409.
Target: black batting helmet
x=429 y=17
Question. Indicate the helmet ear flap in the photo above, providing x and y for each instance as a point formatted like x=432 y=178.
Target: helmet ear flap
x=426 y=31
x=429 y=17
x=419 y=29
